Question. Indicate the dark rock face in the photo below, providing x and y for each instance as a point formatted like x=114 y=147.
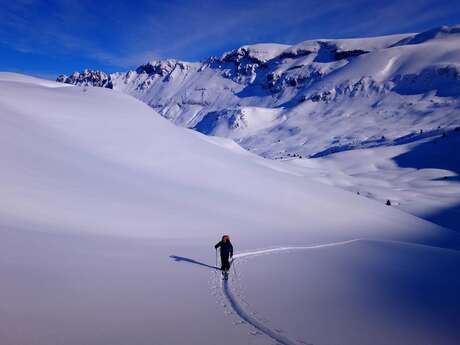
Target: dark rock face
x=295 y=54
x=238 y=65
x=324 y=96
x=277 y=82
x=87 y=78
x=345 y=54
x=240 y=56
x=208 y=123
x=294 y=67
x=161 y=67
x=445 y=80
x=232 y=119
x=272 y=78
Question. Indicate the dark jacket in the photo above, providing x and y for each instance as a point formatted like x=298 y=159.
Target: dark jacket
x=226 y=248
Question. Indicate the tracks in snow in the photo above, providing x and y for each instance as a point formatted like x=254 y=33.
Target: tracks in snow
x=283 y=249
x=246 y=316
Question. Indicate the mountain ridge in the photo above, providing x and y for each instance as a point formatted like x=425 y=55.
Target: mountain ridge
x=394 y=85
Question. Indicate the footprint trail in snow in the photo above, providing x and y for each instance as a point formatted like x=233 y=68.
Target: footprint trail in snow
x=248 y=317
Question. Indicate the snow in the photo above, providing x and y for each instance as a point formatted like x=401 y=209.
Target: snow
x=131 y=158
x=365 y=44
x=443 y=32
x=239 y=122
x=102 y=195
x=262 y=51
x=398 y=280
x=419 y=176
x=14 y=77
x=392 y=85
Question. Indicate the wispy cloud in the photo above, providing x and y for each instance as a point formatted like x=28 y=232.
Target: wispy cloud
x=123 y=34
x=125 y=60
x=398 y=17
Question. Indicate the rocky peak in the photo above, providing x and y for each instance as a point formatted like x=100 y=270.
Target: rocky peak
x=240 y=65
x=161 y=67
x=239 y=56
x=87 y=78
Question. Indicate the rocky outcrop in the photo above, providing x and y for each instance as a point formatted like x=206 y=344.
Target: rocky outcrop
x=337 y=81
x=294 y=54
x=238 y=65
x=444 y=80
x=346 y=54
x=160 y=67
x=225 y=119
x=87 y=78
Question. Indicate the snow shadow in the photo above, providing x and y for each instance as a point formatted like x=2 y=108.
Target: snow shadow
x=382 y=141
x=443 y=80
x=405 y=292
x=448 y=217
x=192 y=261
x=440 y=153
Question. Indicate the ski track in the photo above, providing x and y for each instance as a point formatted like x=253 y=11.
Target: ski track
x=281 y=249
x=251 y=320
x=246 y=316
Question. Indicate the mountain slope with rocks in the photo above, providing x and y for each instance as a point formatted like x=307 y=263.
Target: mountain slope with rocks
x=309 y=99
x=110 y=215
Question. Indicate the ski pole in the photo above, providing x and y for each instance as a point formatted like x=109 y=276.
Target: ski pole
x=234 y=269
x=216 y=258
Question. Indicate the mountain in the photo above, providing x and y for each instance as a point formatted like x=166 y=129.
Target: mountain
x=309 y=99
x=78 y=144
x=110 y=212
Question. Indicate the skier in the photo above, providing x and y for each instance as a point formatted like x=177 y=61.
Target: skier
x=226 y=253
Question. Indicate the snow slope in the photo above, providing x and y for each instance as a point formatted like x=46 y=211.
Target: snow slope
x=131 y=158
x=327 y=94
x=418 y=175
x=377 y=292
x=99 y=191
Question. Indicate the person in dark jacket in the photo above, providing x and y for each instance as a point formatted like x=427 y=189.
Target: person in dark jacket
x=226 y=252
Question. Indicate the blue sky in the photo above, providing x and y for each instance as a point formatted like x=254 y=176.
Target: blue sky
x=49 y=37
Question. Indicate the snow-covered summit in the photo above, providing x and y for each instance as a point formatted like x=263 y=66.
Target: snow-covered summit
x=326 y=92
x=161 y=67
x=442 y=32
x=262 y=52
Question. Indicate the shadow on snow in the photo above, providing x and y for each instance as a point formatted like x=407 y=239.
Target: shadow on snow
x=440 y=153
x=191 y=261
